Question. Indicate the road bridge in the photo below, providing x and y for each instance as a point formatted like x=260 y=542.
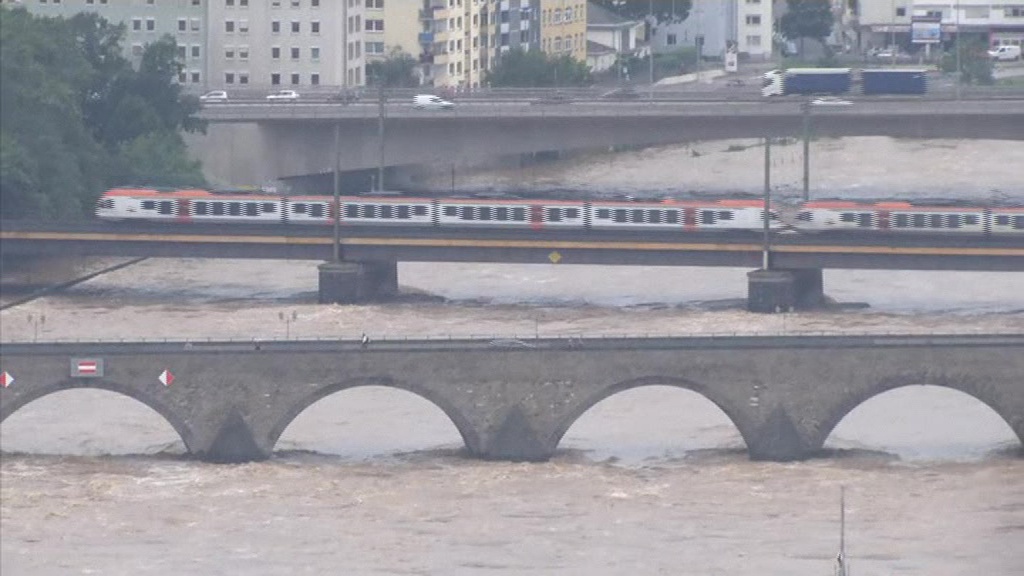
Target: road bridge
x=514 y=399
x=253 y=143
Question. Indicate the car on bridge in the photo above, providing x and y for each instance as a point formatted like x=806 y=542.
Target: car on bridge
x=431 y=102
x=283 y=96
x=214 y=96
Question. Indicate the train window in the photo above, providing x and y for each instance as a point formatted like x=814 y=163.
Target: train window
x=971 y=220
x=269 y=207
x=902 y=221
x=725 y=215
x=299 y=208
x=953 y=221
x=234 y=208
x=369 y=211
x=385 y=211
x=501 y=214
x=844 y=217
x=572 y=213
x=1002 y=220
x=419 y=210
x=218 y=208
x=864 y=219
x=554 y=214
x=637 y=216
x=654 y=216
x=672 y=216
x=201 y=208
x=1018 y=222
x=252 y=209
x=485 y=213
x=707 y=216
x=604 y=213
x=166 y=208
x=805 y=216
x=316 y=210
x=148 y=205
x=935 y=221
x=403 y=212
x=451 y=211
x=519 y=214
x=467 y=213
x=919 y=221
x=351 y=211
x=620 y=215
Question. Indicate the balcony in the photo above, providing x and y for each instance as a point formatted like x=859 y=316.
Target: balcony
x=426 y=38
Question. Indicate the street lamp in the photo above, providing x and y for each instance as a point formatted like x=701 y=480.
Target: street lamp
x=959 y=71
x=650 y=49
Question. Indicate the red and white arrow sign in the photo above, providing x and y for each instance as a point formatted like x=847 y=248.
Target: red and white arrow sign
x=166 y=378
x=87 y=367
x=6 y=380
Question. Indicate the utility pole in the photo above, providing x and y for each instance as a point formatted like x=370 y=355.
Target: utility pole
x=892 y=31
x=337 y=193
x=959 y=70
x=650 y=48
x=766 y=259
x=380 y=133
x=806 y=109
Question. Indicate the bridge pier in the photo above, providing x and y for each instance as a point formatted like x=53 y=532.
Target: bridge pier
x=350 y=282
x=774 y=291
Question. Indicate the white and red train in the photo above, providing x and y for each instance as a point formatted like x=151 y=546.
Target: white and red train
x=202 y=206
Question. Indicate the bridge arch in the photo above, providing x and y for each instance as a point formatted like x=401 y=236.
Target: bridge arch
x=734 y=413
x=959 y=382
x=164 y=409
x=468 y=432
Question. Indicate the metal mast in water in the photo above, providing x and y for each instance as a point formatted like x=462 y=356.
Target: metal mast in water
x=842 y=568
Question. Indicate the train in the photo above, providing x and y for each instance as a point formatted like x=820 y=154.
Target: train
x=188 y=206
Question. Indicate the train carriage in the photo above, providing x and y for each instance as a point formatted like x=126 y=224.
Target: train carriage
x=1007 y=221
x=190 y=205
x=895 y=217
x=682 y=216
x=501 y=213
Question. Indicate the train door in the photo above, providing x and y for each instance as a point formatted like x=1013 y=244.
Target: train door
x=883 y=220
x=536 y=216
x=690 y=219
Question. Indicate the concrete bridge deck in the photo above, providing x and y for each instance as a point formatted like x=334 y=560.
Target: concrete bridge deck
x=515 y=399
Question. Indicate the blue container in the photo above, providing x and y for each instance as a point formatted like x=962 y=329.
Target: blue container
x=890 y=81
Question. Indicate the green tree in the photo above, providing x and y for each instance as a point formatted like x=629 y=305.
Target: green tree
x=396 y=70
x=664 y=10
x=537 y=69
x=807 y=19
x=975 y=64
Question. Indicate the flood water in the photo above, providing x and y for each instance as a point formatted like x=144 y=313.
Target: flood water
x=374 y=481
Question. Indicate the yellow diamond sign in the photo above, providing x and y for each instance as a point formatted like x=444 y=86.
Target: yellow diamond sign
x=555 y=257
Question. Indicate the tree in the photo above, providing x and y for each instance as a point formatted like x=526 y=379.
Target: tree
x=664 y=10
x=975 y=63
x=537 y=69
x=396 y=70
x=807 y=19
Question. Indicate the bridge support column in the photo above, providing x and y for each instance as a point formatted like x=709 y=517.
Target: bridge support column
x=351 y=282
x=774 y=291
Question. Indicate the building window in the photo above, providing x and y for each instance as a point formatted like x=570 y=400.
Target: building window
x=229 y=3
x=229 y=78
x=243 y=26
x=295 y=79
x=243 y=77
x=314 y=79
x=181 y=52
x=754 y=41
x=314 y=53
x=295 y=53
x=275 y=27
x=275 y=53
x=314 y=27
x=150 y=24
x=296 y=3
x=314 y=3
x=671 y=40
x=1013 y=11
x=229 y=52
x=374 y=25
x=753 y=20
x=295 y=26
x=194 y=24
x=374 y=3
x=182 y=25
x=195 y=51
x=136 y=24
x=243 y=52
x=229 y=26
x=275 y=79
x=243 y=3
x=195 y=77
x=901 y=12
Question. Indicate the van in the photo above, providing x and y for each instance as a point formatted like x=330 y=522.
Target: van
x=1005 y=52
x=431 y=102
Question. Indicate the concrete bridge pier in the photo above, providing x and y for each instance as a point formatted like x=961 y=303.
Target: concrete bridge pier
x=351 y=282
x=775 y=291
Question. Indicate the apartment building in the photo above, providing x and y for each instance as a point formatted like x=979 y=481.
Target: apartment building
x=145 y=21
x=714 y=26
x=887 y=22
x=455 y=42
x=396 y=25
x=563 y=28
x=516 y=26
x=287 y=43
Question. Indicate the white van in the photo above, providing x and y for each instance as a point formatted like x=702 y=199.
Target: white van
x=1005 y=52
x=431 y=102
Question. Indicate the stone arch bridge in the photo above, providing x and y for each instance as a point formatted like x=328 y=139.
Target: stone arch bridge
x=514 y=399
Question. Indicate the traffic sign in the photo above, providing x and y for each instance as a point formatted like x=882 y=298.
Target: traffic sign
x=166 y=378
x=86 y=367
x=6 y=380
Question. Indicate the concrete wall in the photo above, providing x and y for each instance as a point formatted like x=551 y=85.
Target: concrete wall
x=516 y=399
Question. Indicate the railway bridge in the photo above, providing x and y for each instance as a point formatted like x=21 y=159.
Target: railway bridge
x=514 y=399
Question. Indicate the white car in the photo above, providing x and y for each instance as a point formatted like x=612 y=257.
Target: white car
x=431 y=102
x=283 y=96
x=1005 y=52
x=830 y=101
x=214 y=96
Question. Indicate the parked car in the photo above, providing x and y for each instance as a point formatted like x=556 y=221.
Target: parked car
x=1005 y=52
x=214 y=96
x=431 y=102
x=283 y=96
